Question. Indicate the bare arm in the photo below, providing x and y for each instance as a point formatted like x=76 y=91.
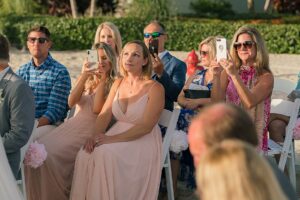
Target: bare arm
x=250 y=98
x=151 y=116
x=76 y=93
x=105 y=115
x=258 y=93
x=99 y=97
x=220 y=82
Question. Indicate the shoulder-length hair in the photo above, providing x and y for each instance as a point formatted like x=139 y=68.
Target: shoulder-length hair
x=233 y=170
x=262 y=55
x=115 y=34
x=147 y=68
x=211 y=43
x=92 y=82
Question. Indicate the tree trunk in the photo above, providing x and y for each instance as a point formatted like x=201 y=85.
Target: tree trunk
x=73 y=8
x=267 y=5
x=250 y=5
x=92 y=7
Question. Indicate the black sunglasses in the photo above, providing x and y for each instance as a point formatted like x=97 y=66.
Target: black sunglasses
x=154 y=35
x=40 y=40
x=247 y=44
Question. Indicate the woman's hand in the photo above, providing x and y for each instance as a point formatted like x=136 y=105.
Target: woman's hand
x=103 y=139
x=89 y=145
x=191 y=104
x=216 y=69
x=229 y=67
x=86 y=72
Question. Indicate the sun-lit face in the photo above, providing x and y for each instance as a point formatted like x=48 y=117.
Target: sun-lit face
x=104 y=65
x=245 y=51
x=106 y=36
x=133 y=58
x=38 y=45
x=152 y=28
x=204 y=55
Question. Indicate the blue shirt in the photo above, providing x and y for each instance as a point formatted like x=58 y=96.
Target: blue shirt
x=51 y=84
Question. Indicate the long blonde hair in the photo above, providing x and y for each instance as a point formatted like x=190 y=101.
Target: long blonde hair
x=147 y=68
x=233 y=170
x=262 y=55
x=115 y=34
x=93 y=81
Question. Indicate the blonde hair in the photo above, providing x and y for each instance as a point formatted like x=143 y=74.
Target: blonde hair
x=115 y=34
x=147 y=68
x=211 y=43
x=93 y=81
x=262 y=55
x=233 y=170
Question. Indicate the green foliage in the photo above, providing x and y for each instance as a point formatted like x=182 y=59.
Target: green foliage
x=149 y=9
x=212 y=8
x=18 y=6
x=184 y=35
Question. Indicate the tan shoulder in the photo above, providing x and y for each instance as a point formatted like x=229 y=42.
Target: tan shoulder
x=156 y=87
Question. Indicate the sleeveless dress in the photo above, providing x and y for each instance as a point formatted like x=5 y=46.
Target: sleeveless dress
x=260 y=114
x=124 y=170
x=54 y=178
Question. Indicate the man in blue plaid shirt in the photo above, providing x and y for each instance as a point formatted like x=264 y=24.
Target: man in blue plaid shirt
x=48 y=79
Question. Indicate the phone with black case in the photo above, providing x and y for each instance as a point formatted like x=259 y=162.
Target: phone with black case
x=153 y=47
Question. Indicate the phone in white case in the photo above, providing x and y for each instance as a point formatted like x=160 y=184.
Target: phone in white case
x=221 y=48
x=92 y=56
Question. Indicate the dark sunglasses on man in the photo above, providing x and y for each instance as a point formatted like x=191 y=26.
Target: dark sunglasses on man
x=154 y=35
x=247 y=44
x=40 y=40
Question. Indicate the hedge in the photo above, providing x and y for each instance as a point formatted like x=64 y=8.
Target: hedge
x=184 y=35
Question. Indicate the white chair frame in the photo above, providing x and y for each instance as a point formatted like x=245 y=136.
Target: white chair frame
x=288 y=108
x=168 y=119
x=21 y=183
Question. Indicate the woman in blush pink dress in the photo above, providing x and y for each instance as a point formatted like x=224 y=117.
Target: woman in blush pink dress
x=123 y=163
x=247 y=80
x=54 y=178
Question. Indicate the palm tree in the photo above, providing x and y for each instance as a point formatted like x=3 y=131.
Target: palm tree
x=73 y=8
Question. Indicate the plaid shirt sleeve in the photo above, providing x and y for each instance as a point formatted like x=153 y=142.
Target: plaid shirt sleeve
x=58 y=98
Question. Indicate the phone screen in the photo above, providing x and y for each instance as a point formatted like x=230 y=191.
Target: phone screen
x=92 y=56
x=153 y=47
x=221 y=48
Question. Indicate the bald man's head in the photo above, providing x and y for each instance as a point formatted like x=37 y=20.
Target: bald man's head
x=218 y=122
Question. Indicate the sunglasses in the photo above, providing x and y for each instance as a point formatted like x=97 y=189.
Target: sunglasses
x=40 y=40
x=154 y=35
x=246 y=44
x=203 y=53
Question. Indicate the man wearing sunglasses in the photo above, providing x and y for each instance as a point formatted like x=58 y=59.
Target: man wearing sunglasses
x=167 y=69
x=48 y=79
x=16 y=109
x=170 y=72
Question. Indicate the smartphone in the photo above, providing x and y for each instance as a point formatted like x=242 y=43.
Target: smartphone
x=221 y=48
x=153 y=47
x=92 y=56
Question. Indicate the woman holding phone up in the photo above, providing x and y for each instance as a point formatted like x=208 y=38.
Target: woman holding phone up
x=53 y=179
x=195 y=94
x=247 y=80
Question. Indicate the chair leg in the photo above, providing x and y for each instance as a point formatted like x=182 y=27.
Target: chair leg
x=291 y=167
x=169 y=180
x=23 y=182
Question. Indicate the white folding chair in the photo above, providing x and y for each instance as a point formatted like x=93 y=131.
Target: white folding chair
x=290 y=109
x=168 y=119
x=21 y=183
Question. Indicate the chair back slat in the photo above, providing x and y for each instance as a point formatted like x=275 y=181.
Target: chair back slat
x=168 y=119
